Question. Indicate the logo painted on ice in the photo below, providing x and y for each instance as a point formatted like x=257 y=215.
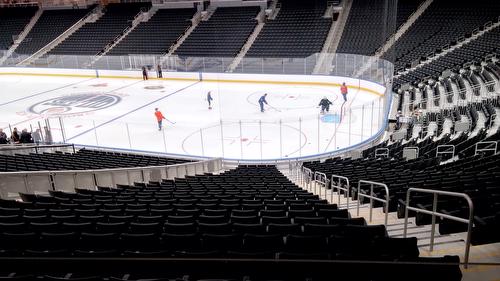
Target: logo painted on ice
x=75 y=104
x=330 y=118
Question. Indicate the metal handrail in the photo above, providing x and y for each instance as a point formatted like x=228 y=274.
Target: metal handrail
x=322 y=179
x=434 y=213
x=487 y=147
x=339 y=187
x=382 y=152
x=306 y=177
x=372 y=197
x=447 y=151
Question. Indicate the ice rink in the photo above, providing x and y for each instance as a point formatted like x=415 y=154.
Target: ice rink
x=119 y=113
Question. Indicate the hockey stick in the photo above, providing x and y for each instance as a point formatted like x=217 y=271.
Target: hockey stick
x=274 y=108
x=171 y=122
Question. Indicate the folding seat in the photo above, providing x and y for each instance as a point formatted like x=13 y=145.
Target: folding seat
x=215 y=228
x=301 y=213
x=305 y=244
x=188 y=212
x=91 y=218
x=180 y=228
x=150 y=218
x=216 y=212
x=77 y=227
x=263 y=243
x=301 y=207
x=15 y=243
x=97 y=244
x=120 y=218
x=230 y=206
x=85 y=212
x=136 y=212
x=366 y=232
x=284 y=229
x=164 y=212
x=278 y=206
x=9 y=211
x=345 y=247
x=325 y=206
x=39 y=227
x=12 y=227
x=64 y=218
x=222 y=242
x=14 y=218
x=281 y=220
x=54 y=244
x=310 y=220
x=245 y=219
x=111 y=227
x=343 y=213
x=212 y=219
x=181 y=219
x=344 y=221
x=395 y=248
x=273 y=213
x=322 y=229
x=140 y=244
x=178 y=242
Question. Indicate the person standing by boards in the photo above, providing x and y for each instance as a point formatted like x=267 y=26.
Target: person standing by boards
x=158 y=71
x=343 y=91
x=144 y=73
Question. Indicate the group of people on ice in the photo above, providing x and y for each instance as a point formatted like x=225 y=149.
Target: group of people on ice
x=324 y=104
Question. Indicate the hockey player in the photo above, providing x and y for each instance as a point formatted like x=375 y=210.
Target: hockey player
x=262 y=101
x=209 y=100
x=325 y=105
x=144 y=73
x=343 y=91
x=159 y=118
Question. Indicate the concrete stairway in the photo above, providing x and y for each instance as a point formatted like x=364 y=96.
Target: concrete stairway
x=249 y=42
x=92 y=16
x=194 y=23
x=142 y=16
x=449 y=244
x=403 y=28
x=324 y=61
x=393 y=38
x=22 y=35
x=465 y=41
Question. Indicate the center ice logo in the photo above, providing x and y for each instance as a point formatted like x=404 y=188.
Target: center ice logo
x=75 y=104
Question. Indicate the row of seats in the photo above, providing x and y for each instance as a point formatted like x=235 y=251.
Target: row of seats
x=222 y=35
x=83 y=159
x=441 y=24
x=299 y=30
x=13 y=20
x=49 y=26
x=156 y=35
x=85 y=224
x=93 y=37
x=472 y=52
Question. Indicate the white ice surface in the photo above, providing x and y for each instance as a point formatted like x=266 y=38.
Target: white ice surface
x=276 y=133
